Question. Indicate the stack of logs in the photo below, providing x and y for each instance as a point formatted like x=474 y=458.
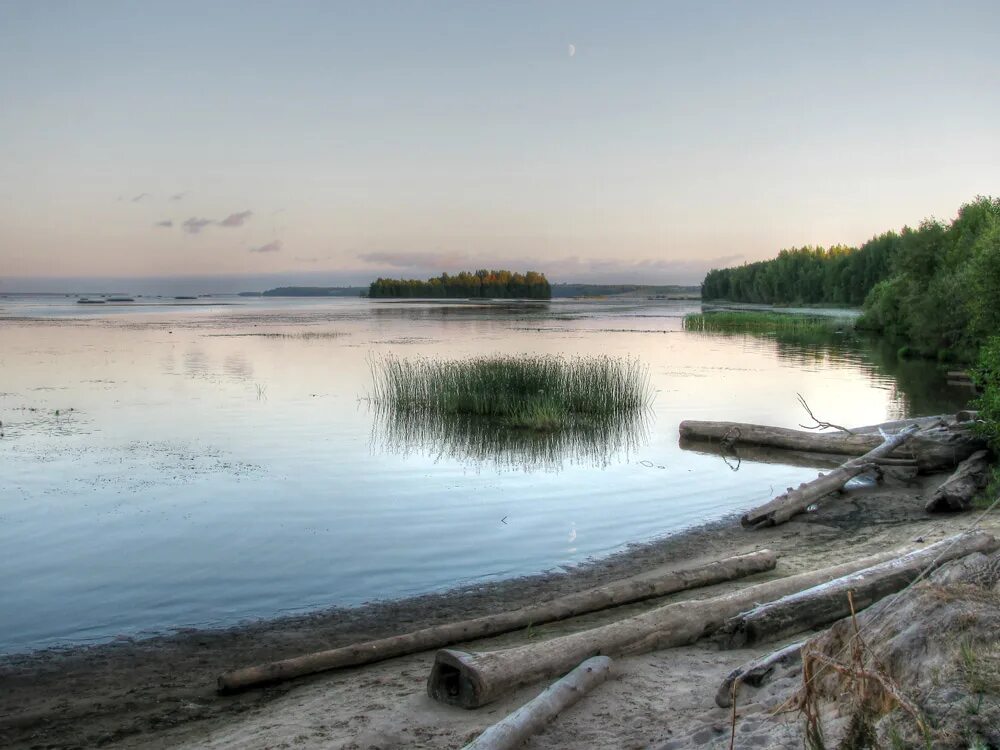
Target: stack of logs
x=925 y=445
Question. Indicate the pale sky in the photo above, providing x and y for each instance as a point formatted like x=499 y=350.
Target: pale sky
x=592 y=141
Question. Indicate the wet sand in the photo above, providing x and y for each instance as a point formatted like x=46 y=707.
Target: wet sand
x=159 y=692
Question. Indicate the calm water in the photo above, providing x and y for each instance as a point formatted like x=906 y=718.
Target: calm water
x=171 y=466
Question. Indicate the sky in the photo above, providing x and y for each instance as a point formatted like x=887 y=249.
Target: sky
x=593 y=141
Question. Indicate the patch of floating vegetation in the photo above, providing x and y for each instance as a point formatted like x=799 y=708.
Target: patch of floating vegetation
x=526 y=411
x=301 y=335
x=32 y=420
x=765 y=323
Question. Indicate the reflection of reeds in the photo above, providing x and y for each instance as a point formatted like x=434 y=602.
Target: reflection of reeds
x=511 y=411
x=484 y=441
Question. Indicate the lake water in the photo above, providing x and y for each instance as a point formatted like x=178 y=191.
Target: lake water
x=171 y=465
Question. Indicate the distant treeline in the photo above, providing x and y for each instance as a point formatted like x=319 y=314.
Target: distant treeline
x=613 y=290
x=838 y=275
x=481 y=284
x=315 y=291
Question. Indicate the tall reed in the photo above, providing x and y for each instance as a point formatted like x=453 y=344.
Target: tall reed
x=540 y=392
x=764 y=323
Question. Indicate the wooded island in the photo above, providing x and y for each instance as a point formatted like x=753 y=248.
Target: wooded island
x=482 y=284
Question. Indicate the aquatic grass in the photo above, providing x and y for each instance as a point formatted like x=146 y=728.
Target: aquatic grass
x=540 y=392
x=301 y=335
x=511 y=411
x=764 y=323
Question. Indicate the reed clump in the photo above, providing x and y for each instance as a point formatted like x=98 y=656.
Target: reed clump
x=542 y=393
x=764 y=323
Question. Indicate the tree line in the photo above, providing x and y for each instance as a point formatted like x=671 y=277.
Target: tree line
x=482 y=284
x=935 y=287
x=837 y=275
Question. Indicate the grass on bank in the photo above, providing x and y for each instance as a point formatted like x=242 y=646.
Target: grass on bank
x=542 y=393
x=764 y=323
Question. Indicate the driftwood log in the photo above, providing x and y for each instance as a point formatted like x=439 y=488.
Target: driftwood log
x=756 y=672
x=591 y=600
x=795 y=501
x=936 y=448
x=512 y=731
x=829 y=602
x=473 y=679
x=958 y=491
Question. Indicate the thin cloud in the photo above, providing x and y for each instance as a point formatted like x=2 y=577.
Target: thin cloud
x=165 y=223
x=270 y=247
x=236 y=220
x=139 y=197
x=178 y=196
x=414 y=259
x=194 y=225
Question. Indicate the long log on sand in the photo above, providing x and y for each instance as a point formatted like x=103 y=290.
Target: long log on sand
x=591 y=600
x=756 y=672
x=512 y=731
x=471 y=679
x=795 y=501
x=958 y=490
x=828 y=602
x=937 y=447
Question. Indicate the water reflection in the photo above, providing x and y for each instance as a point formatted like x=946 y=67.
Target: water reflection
x=483 y=443
x=915 y=387
x=734 y=454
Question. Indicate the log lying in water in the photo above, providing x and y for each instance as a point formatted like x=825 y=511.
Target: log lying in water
x=829 y=602
x=602 y=597
x=512 y=731
x=795 y=501
x=958 y=490
x=756 y=672
x=937 y=447
x=901 y=468
x=471 y=679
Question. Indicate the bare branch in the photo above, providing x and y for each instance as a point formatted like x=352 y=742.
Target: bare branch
x=820 y=424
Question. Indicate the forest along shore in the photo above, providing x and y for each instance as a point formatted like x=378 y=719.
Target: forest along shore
x=161 y=692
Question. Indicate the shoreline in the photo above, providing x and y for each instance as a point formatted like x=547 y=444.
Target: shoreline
x=160 y=691
x=632 y=559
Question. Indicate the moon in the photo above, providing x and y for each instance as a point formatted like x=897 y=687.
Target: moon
x=572 y=50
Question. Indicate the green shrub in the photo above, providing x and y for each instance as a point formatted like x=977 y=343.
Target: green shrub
x=986 y=375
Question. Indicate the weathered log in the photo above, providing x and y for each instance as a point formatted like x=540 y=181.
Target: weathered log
x=512 y=731
x=935 y=448
x=958 y=490
x=591 y=600
x=795 y=501
x=895 y=425
x=472 y=679
x=828 y=602
x=764 y=455
x=756 y=672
